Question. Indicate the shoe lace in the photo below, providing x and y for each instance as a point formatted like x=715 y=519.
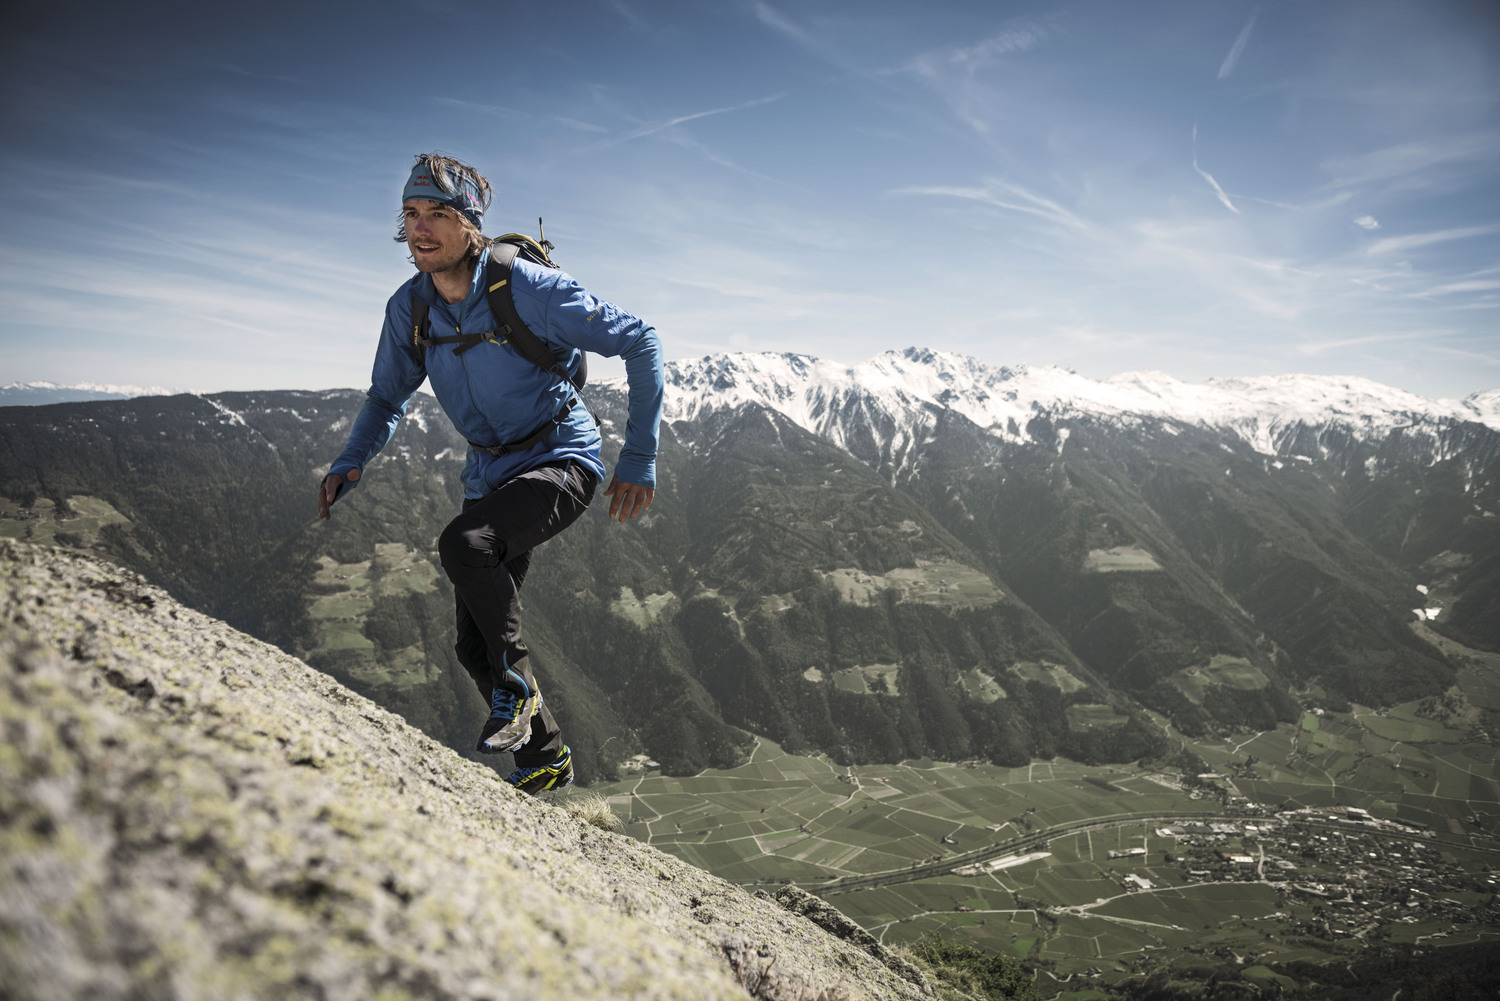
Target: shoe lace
x=502 y=703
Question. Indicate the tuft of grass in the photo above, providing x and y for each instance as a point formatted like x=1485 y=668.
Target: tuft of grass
x=964 y=973
x=592 y=808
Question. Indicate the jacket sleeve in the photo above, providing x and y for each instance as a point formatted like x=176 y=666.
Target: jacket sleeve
x=578 y=320
x=399 y=370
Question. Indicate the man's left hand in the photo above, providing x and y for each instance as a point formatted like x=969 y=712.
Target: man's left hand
x=627 y=500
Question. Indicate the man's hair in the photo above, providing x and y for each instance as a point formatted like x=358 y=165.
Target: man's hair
x=440 y=166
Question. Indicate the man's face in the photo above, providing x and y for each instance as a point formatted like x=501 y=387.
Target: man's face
x=434 y=234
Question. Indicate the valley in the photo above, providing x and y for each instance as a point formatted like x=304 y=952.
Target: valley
x=961 y=649
x=1345 y=835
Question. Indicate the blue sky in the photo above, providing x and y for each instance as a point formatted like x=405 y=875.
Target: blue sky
x=1204 y=187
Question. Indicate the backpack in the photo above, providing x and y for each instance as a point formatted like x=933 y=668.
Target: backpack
x=509 y=329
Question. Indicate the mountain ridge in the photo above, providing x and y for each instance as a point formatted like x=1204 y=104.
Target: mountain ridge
x=41 y=393
x=1003 y=399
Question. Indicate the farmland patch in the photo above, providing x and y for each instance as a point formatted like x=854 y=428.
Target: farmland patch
x=1048 y=674
x=932 y=582
x=1233 y=672
x=1092 y=714
x=981 y=686
x=871 y=679
x=1120 y=559
x=642 y=610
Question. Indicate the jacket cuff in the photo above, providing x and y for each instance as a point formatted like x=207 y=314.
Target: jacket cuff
x=343 y=469
x=642 y=474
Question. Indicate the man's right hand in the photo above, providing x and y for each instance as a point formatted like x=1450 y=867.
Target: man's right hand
x=332 y=484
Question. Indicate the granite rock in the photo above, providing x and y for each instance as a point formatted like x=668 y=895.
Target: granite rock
x=188 y=813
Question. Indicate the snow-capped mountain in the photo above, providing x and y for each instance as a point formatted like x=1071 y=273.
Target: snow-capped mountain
x=905 y=392
x=38 y=393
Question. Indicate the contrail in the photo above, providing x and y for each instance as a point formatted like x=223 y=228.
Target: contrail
x=1209 y=177
x=1239 y=46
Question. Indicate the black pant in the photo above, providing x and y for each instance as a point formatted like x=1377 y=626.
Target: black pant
x=486 y=551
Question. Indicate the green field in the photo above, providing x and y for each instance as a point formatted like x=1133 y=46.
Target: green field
x=873 y=818
x=935 y=582
x=1085 y=715
x=1120 y=559
x=1093 y=908
x=1235 y=672
x=345 y=596
x=643 y=610
x=79 y=522
x=1049 y=674
x=867 y=679
x=980 y=686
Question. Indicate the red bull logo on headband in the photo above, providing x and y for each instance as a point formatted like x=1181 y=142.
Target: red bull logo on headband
x=450 y=189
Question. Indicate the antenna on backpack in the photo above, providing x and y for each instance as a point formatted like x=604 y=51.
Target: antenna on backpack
x=542 y=236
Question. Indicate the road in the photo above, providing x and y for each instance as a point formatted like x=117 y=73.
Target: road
x=1014 y=846
x=1037 y=838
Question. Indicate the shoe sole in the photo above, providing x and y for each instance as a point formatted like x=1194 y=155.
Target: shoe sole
x=488 y=747
x=559 y=782
x=557 y=775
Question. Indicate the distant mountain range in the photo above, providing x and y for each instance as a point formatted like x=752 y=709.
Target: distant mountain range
x=895 y=399
x=29 y=394
x=919 y=555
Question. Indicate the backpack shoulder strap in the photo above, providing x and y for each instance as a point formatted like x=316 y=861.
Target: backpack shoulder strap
x=418 y=321
x=502 y=303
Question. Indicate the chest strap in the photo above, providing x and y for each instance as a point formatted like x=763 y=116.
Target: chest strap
x=551 y=424
x=512 y=330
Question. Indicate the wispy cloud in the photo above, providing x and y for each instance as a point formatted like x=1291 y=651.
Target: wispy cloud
x=627 y=13
x=458 y=104
x=653 y=129
x=1316 y=205
x=1223 y=198
x=1469 y=286
x=1401 y=244
x=1004 y=195
x=1410 y=158
x=685 y=141
x=1345 y=343
x=954 y=67
x=238 y=70
x=1020 y=35
x=830 y=50
x=776 y=21
x=574 y=123
x=1238 y=49
x=1367 y=222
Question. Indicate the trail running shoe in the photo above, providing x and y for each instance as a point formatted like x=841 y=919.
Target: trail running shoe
x=540 y=778
x=509 y=725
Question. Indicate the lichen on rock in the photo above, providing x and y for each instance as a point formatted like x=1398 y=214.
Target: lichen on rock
x=188 y=813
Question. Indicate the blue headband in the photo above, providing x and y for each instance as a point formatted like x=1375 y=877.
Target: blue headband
x=462 y=193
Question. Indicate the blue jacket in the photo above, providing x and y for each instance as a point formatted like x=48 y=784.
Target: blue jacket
x=495 y=396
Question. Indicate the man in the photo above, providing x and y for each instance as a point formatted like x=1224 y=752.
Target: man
x=533 y=461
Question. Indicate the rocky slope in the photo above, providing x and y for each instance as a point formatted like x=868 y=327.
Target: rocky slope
x=186 y=812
